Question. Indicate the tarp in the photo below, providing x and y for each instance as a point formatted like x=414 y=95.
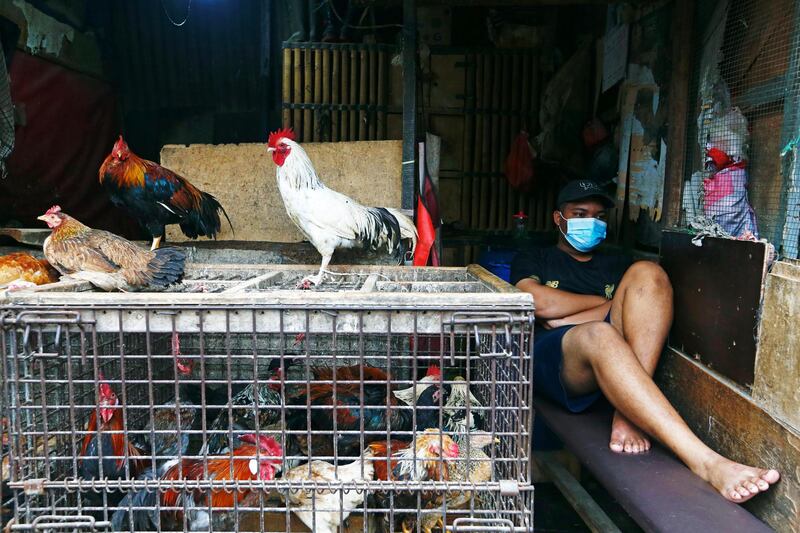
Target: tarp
x=69 y=126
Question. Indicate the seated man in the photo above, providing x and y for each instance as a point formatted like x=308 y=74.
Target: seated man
x=601 y=326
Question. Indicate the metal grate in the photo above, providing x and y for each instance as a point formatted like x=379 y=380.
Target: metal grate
x=199 y=369
x=742 y=151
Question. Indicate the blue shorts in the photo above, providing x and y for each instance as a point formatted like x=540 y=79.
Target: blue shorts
x=548 y=360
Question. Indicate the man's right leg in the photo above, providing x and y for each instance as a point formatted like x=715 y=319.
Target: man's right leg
x=595 y=355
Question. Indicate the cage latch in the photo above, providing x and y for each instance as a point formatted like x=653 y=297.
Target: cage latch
x=77 y=523
x=33 y=487
x=481 y=525
x=57 y=319
x=508 y=487
x=476 y=319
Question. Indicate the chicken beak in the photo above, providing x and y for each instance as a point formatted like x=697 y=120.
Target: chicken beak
x=43 y=218
x=270 y=149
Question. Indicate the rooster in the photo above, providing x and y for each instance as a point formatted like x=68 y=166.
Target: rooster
x=107 y=440
x=331 y=220
x=428 y=458
x=107 y=260
x=258 y=459
x=324 y=510
x=472 y=465
x=156 y=196
x=355 y=397
x=22 y=270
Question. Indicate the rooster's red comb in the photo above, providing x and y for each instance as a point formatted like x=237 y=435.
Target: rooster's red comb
x=283 y=133
x=53 y=210
x=434 y=370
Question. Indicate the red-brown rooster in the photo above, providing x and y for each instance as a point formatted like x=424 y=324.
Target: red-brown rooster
x=107 y=260
x=107 y=440
x=428 y=458
x=156 y=196
x=259 y=459
x=331 y=220
x=358 y=400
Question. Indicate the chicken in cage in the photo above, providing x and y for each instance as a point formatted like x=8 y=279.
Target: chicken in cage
x=268 y=416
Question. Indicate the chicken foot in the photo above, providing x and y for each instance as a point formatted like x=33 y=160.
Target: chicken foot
x=307 y=281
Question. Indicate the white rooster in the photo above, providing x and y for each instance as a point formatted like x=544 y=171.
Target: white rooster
x=331 y=220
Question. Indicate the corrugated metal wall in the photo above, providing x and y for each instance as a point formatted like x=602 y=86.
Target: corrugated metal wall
x=214 y=60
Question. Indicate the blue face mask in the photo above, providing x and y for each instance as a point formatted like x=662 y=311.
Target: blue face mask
x=584 y=234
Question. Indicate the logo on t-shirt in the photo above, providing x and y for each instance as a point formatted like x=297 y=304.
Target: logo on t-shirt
x=553 y=284
x=610 y=290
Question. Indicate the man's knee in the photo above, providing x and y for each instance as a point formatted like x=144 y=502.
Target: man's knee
x=597 y=337
x=648 y=273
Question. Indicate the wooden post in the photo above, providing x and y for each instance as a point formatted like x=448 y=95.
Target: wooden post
x=682 y=33
x=335 y=98
x=409 y=101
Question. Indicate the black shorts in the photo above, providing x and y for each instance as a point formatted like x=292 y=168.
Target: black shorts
x=548 y=361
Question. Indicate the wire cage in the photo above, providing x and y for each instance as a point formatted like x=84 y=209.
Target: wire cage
x=387 y=409
x=743 y=171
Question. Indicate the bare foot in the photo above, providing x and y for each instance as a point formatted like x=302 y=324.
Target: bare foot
x=737 y=482
x=627 y=438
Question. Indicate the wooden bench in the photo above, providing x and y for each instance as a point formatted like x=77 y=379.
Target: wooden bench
x=655 y=488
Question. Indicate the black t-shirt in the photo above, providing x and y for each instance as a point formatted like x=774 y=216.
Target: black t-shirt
x=555 y=268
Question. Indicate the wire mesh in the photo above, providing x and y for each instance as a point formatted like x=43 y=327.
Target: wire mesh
x=742 y=152
x=327 y=420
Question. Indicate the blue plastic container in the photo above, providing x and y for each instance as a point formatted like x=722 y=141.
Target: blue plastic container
x=498 y=262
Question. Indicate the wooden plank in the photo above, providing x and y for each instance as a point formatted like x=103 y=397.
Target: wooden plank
x=31 y=236
x=336 y=81
x=580 y=500
x=297 y=114
x=730 y=422
x=363 y=95
x=308 y=94
x=717 y=289
x=369 y=284
x=409 y=101
x=254 y=283
x=777 y=379
x=682 y=42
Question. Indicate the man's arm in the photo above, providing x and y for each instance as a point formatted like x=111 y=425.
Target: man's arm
x=554 y=303
x=594 y=314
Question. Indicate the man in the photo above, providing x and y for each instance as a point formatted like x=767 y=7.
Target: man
x=601 y=326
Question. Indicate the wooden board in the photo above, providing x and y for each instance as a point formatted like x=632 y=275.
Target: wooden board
x=730 y=422
x=777 y=380
x=717 y=289
x=242 y=177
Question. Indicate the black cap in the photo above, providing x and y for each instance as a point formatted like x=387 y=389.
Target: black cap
x=581 y=190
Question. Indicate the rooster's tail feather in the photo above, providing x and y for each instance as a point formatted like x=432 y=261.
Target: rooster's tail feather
x=205 y=220
x=408 y=232
x=133 y=507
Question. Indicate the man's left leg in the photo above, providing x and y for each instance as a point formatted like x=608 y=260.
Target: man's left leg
x=642 y=312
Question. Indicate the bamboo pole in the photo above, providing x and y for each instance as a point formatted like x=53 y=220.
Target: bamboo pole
x=504 y=103
x=475 y=196
x=317 y=92
x=297 y=113
x=325 y=120
x=373 y=93
x=308 y=93
x=381 y=126
x=497 y=93
x=336 y=80
x=515 y=196
x=287 y=86
x=353 y=95
x=363 y=95
x=486 y=145
x=344 y=121
x=468 y=139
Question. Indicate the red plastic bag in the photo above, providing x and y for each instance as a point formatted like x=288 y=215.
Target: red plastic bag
x=519 y=164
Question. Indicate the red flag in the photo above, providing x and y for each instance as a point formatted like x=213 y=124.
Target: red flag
x=427 y=235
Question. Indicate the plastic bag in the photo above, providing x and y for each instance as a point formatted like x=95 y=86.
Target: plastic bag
x=519 y=164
